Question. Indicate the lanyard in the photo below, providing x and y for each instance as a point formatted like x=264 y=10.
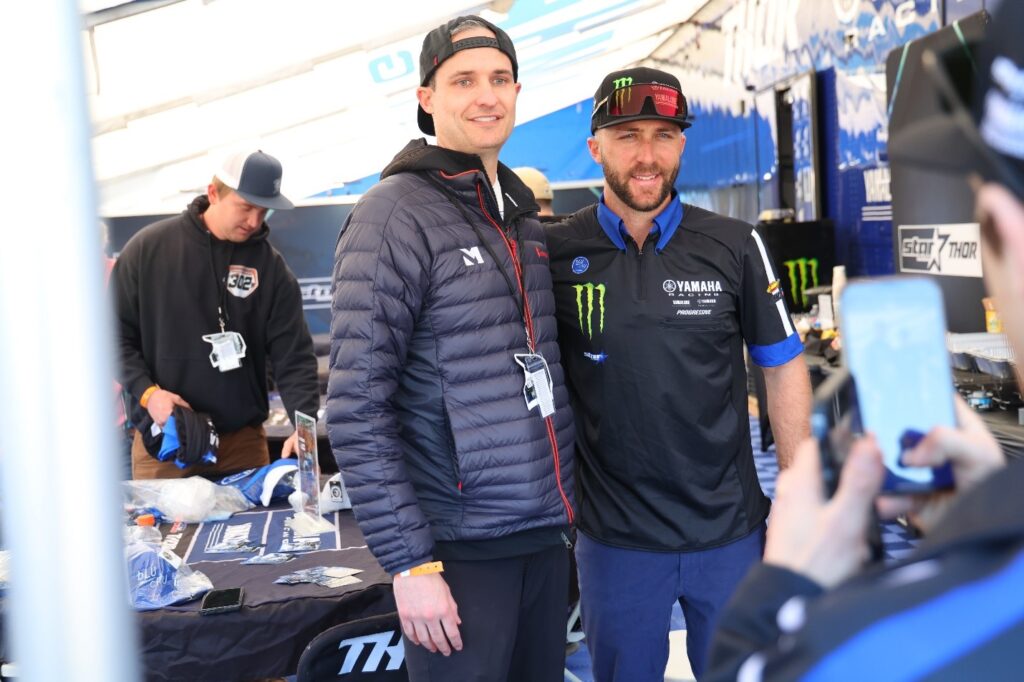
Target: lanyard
x=220 y=285
x=514 y=250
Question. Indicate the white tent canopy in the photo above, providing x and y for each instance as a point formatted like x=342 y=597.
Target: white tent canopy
x=326 y=86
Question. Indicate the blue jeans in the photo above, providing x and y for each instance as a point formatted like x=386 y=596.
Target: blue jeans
x=627 y=597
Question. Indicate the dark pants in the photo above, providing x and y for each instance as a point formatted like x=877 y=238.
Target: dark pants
x=514 y=614
x=627 y=597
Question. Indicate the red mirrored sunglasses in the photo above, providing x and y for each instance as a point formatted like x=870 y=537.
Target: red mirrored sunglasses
x=630 y=100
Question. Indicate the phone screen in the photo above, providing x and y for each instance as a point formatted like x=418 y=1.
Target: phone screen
x=894 y=342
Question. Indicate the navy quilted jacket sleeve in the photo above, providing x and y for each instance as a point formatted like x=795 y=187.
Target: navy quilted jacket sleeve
x=380 y=275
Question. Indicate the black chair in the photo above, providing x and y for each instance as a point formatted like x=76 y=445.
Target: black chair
x=365 y=650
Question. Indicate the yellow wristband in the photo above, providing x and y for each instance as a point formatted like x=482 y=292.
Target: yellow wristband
x=423 y=569
x=144 y=400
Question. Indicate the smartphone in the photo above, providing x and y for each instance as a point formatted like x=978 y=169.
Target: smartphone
x=894 y=343
x=834 y=424
x=221 y=601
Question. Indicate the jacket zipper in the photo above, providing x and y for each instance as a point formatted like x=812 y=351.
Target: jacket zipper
x=521 y=280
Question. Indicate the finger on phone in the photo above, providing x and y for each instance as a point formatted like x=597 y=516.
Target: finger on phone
x=861 y=478
x=941 y=445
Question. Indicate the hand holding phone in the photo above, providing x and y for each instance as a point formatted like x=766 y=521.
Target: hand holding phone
x=221 y=601
x=972 y=451
x=826 y=538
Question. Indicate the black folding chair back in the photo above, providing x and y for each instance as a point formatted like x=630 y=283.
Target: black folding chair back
x=365 y=650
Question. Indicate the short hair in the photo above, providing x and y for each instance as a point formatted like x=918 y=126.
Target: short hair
x=219 y=186
x=461 y=28
x=466 y=25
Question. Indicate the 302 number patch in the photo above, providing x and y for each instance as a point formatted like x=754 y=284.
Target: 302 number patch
x=242 y=281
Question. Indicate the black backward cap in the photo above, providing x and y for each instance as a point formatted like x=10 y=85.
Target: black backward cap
x=438 y=46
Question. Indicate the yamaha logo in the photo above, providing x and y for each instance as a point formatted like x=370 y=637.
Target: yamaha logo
x=691 y=286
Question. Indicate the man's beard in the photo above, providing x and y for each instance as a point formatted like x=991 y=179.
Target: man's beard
x=620 y=185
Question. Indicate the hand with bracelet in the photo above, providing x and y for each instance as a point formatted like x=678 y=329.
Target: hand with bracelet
x=160 y=403
x=429 y=614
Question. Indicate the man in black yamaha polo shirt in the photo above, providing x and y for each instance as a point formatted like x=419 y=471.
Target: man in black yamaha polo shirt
x=655 y=300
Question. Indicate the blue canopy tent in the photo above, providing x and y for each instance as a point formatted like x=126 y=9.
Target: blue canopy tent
x=719 y=150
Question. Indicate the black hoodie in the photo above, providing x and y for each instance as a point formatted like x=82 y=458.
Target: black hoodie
x=167 y=284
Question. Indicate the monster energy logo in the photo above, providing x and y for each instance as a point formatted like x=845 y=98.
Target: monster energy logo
x=799 y=287
x=622 y=96
x=586 y=291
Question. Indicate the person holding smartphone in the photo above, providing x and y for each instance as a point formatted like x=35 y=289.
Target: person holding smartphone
x=954 y=608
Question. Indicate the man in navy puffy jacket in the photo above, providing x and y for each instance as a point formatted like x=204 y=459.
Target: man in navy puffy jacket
x=447 y=410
